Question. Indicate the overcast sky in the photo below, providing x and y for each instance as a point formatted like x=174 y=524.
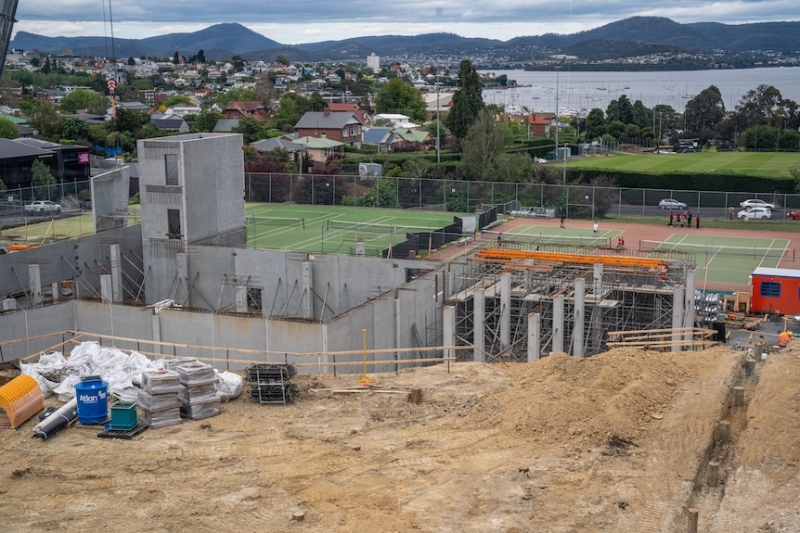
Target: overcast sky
x=306 y=21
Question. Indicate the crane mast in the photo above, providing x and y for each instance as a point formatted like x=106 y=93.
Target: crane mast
x=8 y=10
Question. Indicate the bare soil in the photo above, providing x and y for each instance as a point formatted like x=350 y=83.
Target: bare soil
x=616 y=443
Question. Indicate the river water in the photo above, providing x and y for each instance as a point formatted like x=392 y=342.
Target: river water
x=582 y=91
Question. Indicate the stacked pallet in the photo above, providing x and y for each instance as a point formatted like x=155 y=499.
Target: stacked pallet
x=158 y=398
x=198 y=390
x=272 y=383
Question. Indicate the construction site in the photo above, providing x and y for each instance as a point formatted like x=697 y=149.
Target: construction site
x=494 y=386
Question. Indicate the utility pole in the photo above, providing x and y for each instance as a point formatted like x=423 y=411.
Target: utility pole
x=558 y=69
x=438 y=105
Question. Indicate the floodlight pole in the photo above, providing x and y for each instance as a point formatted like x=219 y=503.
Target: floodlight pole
x=438 y=160
x=564 y=178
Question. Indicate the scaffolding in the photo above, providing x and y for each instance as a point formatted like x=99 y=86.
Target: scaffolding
x=614 y=289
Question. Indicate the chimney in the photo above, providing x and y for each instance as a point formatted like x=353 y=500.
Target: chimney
x=327 y=111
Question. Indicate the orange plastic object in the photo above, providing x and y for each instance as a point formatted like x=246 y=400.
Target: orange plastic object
x=20 y=399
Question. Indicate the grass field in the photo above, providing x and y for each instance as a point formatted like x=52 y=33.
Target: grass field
x=771 y=164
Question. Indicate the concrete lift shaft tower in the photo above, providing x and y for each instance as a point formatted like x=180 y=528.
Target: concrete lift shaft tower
x=8 y=10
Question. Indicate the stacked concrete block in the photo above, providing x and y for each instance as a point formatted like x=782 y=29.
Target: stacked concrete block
x=198 y=393
x=158 y=398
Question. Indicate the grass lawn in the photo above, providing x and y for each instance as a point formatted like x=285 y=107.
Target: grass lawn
x=770 y=164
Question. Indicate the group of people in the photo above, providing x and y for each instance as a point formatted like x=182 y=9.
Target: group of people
x=683 y=219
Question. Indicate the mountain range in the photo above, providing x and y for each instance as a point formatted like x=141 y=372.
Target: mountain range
x=627 y=37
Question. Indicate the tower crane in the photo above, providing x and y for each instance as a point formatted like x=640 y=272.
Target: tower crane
x=8 y=10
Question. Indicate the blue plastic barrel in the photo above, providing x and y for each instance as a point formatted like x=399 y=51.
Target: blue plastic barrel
x=92 y=398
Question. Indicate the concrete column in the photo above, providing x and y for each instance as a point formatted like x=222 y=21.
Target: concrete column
x=56 y=288
x=688 y=304
x=157 y=348
x=35 y=284
x=577 y=329
x=106 y=290
x=558 y=323
x=505 y=306
x=449 y=329
x=182 y=265
x=116 y=274
x=308 y=292
x=479 y=326
x=241 y=299
x=397 y=341
x=534 y=337
x=598 y=282
x=677 y=316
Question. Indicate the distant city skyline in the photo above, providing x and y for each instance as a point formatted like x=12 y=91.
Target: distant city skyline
x=306 y=21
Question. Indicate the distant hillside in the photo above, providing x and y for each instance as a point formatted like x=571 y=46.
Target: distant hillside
x=623 y=38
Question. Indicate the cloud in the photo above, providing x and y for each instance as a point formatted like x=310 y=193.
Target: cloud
x=300 y=21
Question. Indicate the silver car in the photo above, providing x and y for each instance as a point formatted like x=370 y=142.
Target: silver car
x=671 y=203
x=758 y=213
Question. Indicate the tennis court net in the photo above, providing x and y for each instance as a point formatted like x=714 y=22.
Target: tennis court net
x=665 y=247
x=367 y=227
x=276 y=221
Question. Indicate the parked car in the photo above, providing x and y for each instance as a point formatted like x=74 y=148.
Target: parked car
x=671 y=203
x=42 y=207
x=756 y=202
x=759 y=213
x=793 y=215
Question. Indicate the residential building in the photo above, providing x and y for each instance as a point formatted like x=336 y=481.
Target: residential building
x=237 y=109
x=374 y=62
x=343 y=127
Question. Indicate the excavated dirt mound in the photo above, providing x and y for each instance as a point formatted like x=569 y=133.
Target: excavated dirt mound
x=616 y=443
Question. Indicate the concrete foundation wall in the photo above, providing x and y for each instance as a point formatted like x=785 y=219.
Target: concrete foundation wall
x=79 y=259
x=32 y=323
x=110 y=194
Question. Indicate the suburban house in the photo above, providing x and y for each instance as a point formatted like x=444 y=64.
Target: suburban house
x=319 y=150
x=399 y=140
x=236 y=109
x=225 y=125
x=395 y=119
x=538 y=126
x=339 y=107
x=294 y=150
x=437 y=102
x=343 y=127
x=170 y=123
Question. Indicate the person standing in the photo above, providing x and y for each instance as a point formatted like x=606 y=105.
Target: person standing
x=595 y=228
x=670 y=219
x=697 y=220
x=562 y=220
x=689 y=219
x=678 y=220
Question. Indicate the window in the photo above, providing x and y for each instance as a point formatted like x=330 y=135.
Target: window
x=174 y=224
x=171 y=167
x=771 y=289
x=323 y=135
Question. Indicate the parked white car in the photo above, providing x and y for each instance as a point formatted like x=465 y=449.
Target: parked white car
x=756 y=202
x=43 y=207
x=759 y=213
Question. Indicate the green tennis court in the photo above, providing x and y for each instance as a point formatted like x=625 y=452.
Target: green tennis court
x=334 y=229
x=723 y=259
x=544 y=236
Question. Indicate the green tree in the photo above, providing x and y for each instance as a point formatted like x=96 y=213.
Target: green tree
x=176 y=58
x=131 y=120
x=761 y=138
x=467 y=101
x=75 y=129
x=43 y=181
x=78 y=99
x=44 y=117
x=251 y=130
x=484 y=142
x=3 y=187
x=201 y=56
x=236 y=95
x=515 y=167
x=8 y=130
x=703 y=113
x=595 y=124
x=616 y=129
x=205 y=121
x=641 y=116
x=178 y=99
x=131 y=61
x=283 y=60
x=397 y=96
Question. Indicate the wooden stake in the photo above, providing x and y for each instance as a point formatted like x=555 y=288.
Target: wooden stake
x=416 y=396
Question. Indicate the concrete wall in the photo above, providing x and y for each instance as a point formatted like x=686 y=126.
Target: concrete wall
x=110 y=192
x=33 y=323
x=79 y=259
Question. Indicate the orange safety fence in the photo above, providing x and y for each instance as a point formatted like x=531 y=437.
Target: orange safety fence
x=20 y=399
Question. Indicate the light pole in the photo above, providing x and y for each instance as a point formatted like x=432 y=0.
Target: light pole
x=558 y=69
x=437 y=115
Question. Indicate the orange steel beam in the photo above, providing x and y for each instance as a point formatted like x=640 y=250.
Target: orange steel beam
x=494 y=254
